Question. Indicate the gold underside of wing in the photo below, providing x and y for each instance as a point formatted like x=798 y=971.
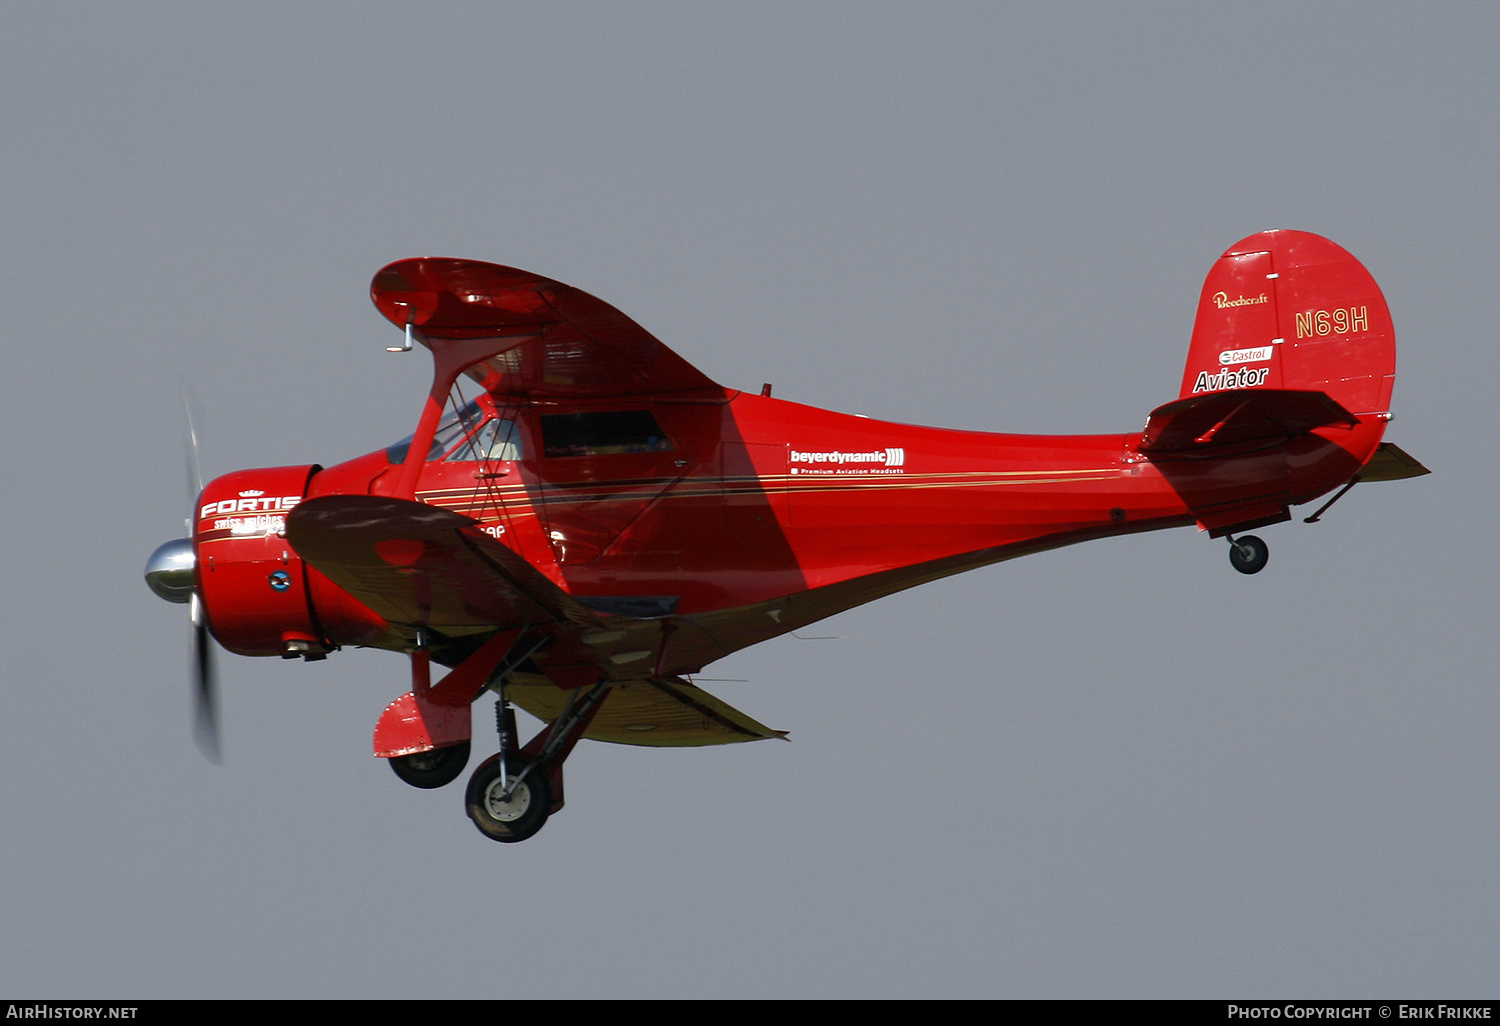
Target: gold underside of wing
x=665 y=712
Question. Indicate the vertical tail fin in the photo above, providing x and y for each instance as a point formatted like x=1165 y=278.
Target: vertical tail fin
x=1291 y=310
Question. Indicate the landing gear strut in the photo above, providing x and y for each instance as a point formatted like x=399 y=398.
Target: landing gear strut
x=512 y=793
x=1248 y=554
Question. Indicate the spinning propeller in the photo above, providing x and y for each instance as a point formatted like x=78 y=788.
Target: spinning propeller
x=170 y=573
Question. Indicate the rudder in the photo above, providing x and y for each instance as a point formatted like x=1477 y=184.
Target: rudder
x=1291 y=310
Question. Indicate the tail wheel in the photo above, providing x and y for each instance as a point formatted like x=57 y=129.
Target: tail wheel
x=436 y=768
x=512 y=806
x=1248 y=554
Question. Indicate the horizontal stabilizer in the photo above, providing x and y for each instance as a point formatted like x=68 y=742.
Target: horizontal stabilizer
x=1391 y=463
x=1214 y=420
x=663 y=712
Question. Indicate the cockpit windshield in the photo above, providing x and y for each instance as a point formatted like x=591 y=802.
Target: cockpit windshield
x=452 y=427
x=495 y=439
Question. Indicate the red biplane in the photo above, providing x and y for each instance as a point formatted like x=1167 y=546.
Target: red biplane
x=601 y=521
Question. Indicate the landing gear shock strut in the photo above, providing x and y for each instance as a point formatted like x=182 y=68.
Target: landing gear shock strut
x=511 y=794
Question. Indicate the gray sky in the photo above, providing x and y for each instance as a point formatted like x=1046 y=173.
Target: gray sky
x=1120 y=769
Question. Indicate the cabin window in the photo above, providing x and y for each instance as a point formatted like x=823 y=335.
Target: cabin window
x=495 y=440
x=603 y=434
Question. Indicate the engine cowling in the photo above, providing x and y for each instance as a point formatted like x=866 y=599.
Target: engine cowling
x=253 y=586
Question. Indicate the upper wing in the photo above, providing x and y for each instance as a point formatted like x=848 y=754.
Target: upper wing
x=567 y=343
x=423 y=566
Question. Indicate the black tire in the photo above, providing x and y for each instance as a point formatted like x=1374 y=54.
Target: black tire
x=1248 y=554
x=432 y=769
x=517 y=819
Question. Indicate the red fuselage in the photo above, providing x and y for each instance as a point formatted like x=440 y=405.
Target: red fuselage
x=737 y=504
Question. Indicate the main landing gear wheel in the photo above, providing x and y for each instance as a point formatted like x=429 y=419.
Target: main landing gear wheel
x=432 y=769
x=514 y=817
x=1248 y=554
